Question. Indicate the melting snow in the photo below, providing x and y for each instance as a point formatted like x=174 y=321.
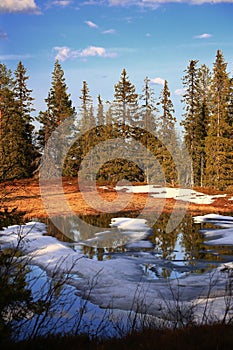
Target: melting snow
x=182 y=194
x=120 y=282
x=220 y=236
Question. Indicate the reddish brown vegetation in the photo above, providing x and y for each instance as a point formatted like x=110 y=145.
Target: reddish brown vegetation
x=26 y=196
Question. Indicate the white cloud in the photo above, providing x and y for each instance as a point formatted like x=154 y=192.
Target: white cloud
x=62 y=3
x=91 y=24
x=203 y=36
x=157 y=81
x=141 y=3
x=96 y=51
x=19 y=6
x=109 y=31
x=153 y=3
x=65 y=53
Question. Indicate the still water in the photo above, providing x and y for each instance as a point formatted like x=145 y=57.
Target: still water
x=159 y=254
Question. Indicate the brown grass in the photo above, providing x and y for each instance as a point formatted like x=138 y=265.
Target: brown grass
x=26 y=196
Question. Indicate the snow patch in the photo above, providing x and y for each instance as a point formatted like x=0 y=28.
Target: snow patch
x=181 y=194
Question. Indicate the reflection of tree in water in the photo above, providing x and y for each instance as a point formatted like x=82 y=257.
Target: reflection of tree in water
x=187 y=233
x=164 y=242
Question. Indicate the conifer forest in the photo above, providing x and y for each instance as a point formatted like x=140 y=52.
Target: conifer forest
x=207 y=124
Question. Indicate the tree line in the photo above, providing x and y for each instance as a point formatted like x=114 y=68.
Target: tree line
x=207 y=122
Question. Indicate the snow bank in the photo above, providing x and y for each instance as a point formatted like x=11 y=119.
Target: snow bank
x=181 y=194
x=220 y=236
x=119 y=282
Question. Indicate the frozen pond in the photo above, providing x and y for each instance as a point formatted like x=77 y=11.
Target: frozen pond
x=126 y=265
x=159 y=254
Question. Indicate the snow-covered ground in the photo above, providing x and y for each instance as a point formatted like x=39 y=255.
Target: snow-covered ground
x=221 y=236
x=182 y=194
x=120 y=282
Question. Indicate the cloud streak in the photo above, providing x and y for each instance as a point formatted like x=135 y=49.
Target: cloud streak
x=62 y=3
x=14 y=57
x=157 y=81
x=65 y=53
x=91 y=24
x=203 y=36
x=109 y=31
x=153 y=4
x=16 y=6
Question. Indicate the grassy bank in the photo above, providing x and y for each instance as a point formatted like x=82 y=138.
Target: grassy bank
x=214 y=337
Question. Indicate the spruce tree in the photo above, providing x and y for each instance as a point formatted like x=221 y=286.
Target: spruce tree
x=191 y=116
x=59 y=106
x=219 y=143
x=148 y=108
x=15 y=142
x=25 y=101
x=125 y=101
x=100 y=112
x=202 y=120
x=86 y=135
x=148 y=127
x=167 y=135
x=86 y=117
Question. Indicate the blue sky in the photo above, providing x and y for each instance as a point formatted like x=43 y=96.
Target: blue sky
x=95 y=40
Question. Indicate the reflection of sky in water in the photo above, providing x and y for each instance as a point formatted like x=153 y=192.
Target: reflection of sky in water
x=142 y=266
x=160 y=255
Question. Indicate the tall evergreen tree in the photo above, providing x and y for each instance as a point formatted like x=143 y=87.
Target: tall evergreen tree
x=86 y=131
x=59 y=109
x=25 y=103
x=15 y=143
x=191 y=116
x=148 y=108
x=125 y=101
x=167 y=134
x=219 y=142
x=148 y=127
x=59 y=105
x=86 y=119
x=100 y=112
x=202 y=120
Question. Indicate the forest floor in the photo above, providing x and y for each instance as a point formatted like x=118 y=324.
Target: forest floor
x=25 y=195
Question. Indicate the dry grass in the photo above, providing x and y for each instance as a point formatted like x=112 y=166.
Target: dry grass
x=214 y=337
x=26 y=196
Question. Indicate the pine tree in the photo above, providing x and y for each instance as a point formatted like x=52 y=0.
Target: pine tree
x=203 y=114
x=125 y=101
x=24 y=99
x=191 y=117
x=148 y=127
x=167 y=135
x=7 y=108
x=100 y=112
x=148 y=109
x=87 y=120
x=87 y=132
x=59 y=106
x=219 y=143
x=15 y=143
